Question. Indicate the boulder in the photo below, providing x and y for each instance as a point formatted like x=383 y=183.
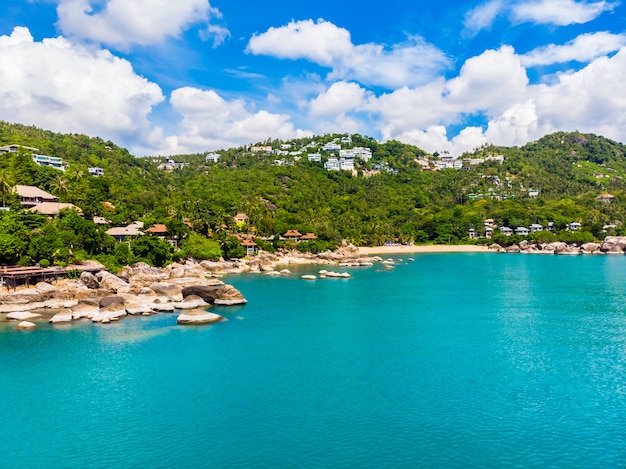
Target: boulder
x=22 y=315
x=84 y=310
x=57 y=303
x=65 y=316
x=110 y=313
x=45 y=288
x=168 y=289
x=135 y=307
x=25 y=325
x=89 y=280
x=198 y=316
x=145 y=274
x=27 y=295
x=513 y=248
x=111 y=300
x=191 y=302
x=590 y=248
x=614 y=245
x=308 y=277
x=229 y=295
x=110 y=282
x=207 y=292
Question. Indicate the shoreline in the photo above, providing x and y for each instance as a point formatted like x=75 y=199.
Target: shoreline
x=415 y=249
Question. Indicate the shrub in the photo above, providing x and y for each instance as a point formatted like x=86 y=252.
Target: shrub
x=44 y=263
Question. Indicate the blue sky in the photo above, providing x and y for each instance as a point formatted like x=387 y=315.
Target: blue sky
x=164 y=77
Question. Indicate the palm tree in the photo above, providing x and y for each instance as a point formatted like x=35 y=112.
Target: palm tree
x=60 y=188
x=6 y=186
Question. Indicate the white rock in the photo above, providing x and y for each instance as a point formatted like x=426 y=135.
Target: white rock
x=308 y=277
x=22 y=315
x=198 y=316
x=25 y=325
x=65 y=316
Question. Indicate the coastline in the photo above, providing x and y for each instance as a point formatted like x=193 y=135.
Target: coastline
x=415 y=249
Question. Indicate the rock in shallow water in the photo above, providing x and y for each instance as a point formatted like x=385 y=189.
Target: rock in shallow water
x=198 y=316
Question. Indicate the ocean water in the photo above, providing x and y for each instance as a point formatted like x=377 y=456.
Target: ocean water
x=450 y=360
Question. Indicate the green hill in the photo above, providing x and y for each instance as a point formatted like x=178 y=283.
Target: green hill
x=395 y=195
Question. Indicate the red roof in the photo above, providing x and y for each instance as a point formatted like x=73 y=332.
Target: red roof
x=293 y=234
x=157 y=228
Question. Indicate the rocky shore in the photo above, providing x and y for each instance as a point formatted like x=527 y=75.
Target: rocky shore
x=610 y=245
x=143 y=290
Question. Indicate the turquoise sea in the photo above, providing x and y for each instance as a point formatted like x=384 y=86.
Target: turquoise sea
x=450 y=360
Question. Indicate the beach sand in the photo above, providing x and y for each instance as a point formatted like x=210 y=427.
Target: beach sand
x=420 y=249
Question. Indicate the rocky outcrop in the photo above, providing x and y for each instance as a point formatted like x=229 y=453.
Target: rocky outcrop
x=171 y=290
x=229 y=295
x=111 y=283
x=614 y=245
x=198 y=316
x=207 y=292
x=22 y=315
x=191 y=302
x=62 y=317
x=89 y=280
x=135 y=307
x=110 y=313
x=110 y=300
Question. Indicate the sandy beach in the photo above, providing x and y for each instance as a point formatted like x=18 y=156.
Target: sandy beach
x=420 y=249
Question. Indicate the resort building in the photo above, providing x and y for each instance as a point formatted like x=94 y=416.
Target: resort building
x=13 y=148
x=96 y=171
x=522 y=231
x=574 y=226
x=126 y=233
x=45 y=160
x=212 y=158
x=31 y=195
x=536 y=227
x=315 y=157
x=506 y=231
x=52 y=209
x=605 y=198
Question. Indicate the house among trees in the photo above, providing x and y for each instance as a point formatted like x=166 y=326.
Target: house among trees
x=31 y=195
x=241 y=218
x=96 y=171
x=308 y=237
x=605 y=198
x=126 y=233
x=211 y=157
x=52 y=209
x=160 y=231
x=293 y=234
x=250 y=247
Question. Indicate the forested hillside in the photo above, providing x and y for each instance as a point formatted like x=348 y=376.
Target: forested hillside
x=398 y=195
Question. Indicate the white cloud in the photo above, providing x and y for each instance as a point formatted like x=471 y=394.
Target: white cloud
x=553 y=12
x=494 y=87
x=560 y=12
x=411 y=63
x=210 y=122
x=122 y=23
x=63 y=87
x=584 y=48
x=340 y=98
x=483 y=15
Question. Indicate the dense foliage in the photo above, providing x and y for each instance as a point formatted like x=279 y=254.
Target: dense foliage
x=392 y=197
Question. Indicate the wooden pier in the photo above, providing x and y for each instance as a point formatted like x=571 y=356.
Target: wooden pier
x=13 y=276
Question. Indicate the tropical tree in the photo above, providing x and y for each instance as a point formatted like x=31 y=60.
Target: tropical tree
x=6 y=185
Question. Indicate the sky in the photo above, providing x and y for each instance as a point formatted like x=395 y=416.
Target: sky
x=163 y=77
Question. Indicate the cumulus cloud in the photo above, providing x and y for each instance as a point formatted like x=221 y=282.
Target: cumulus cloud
x=411 y=63
x=122 y=23
x=64 y=87
x=589 y=100
x=210 y=122
x=584 y=48
x=340 y=98
x=560 y=12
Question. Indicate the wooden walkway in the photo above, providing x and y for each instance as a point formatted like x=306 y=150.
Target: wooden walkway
x=12 y=276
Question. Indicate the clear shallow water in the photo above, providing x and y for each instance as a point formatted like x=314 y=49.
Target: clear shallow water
x=453 y=360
